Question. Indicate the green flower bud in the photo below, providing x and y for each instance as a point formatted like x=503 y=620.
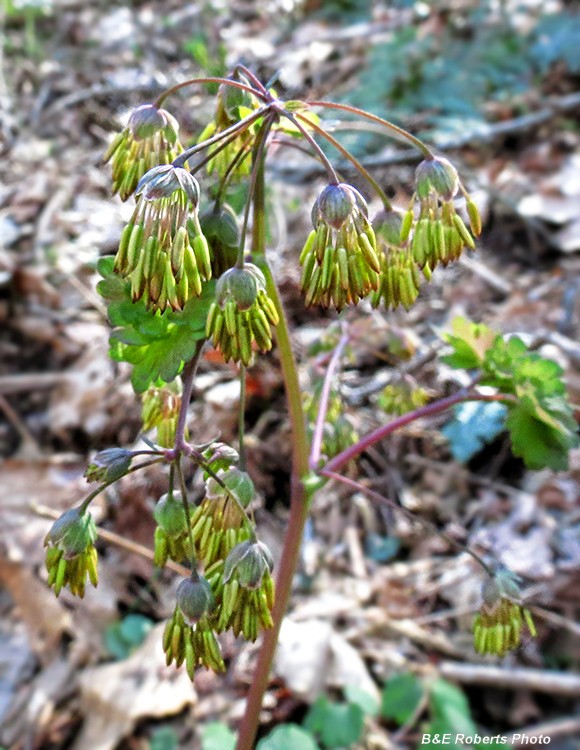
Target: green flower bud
x=335 y=205
x=249 y=561
x=170 y=514
x=221 y=225
x=387 y=226
x=436 y=174
x=194 y=598
x=109 y=465
x=221 y=456
x=72 y=533
x=145 y=121
x=238 y=284
x=162 y=181
x=230 y=98
x=237 y=482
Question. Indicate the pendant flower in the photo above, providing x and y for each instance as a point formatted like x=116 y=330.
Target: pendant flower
x=162 y=250
x=339 y=261
x=150 y=139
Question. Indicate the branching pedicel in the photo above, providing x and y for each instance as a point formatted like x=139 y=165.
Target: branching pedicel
x=165 y=303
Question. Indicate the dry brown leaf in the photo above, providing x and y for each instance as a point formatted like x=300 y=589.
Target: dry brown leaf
x=114 y=697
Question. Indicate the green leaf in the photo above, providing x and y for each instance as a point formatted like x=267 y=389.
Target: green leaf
x=337 y=724
x=474 y=425
x=164 y=738
x=401 y=697
x=450 y=708
x=156 y=344
x=501 y=361
x=367 y=702
x=470 y=342
x=541 y=423
x=217 y=736
x=124 y=637
x=287 y=737
x=540 y=445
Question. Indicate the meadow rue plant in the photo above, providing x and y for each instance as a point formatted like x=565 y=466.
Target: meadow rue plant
x=181 y=282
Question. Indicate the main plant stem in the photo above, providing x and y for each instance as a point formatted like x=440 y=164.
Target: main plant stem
x=299 y=504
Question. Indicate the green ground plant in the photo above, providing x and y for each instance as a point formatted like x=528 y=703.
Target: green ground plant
x=182 y=281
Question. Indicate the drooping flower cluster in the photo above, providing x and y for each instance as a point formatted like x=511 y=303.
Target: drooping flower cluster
x=71 y=553
x=150 y=139
x=219 y=523
x=188 y=636
x=339 y=261
x=440 y=233
x=161 y=409
x=172 y=532
x=498 y=624
x=162 y=250
x=237 y=591
x=241 y=314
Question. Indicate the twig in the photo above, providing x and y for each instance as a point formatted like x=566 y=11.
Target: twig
x=98 y=91
x=551 y=729
x=27 y=437
x=31 y=381
x=540 y=680
x=460 y=473
x=555 y=619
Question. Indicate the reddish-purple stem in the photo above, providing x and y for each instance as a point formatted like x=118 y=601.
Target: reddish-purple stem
x=316 y=447
x=425 y=411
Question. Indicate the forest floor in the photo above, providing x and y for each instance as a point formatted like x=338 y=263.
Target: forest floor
x=376 y=595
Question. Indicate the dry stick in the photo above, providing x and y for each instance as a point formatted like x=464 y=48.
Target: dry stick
x=32 y=381
x=540 y=680
x=12 y=416
x=316 y=447
x=551 y=729
x=117 y=540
